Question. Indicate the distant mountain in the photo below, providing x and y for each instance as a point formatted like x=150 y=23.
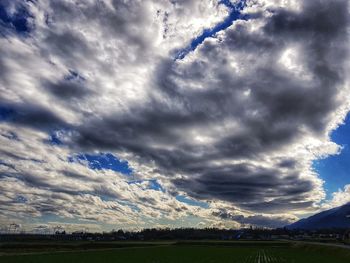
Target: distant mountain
x=338 y=217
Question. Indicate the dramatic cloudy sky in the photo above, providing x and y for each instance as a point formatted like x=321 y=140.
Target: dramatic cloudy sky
x=169 y=113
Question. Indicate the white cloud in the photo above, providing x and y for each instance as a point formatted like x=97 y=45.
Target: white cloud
x=339 y=198
x=236 y=123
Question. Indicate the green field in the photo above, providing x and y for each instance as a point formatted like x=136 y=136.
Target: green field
x=201 y=252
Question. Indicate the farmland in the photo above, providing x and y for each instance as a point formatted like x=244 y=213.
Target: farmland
x=184 y=252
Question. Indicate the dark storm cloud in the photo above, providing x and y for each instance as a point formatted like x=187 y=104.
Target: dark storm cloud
x=31 y=115
x=67 y=89
x=249 y=187
x=77 y=175
x=38 y=181
x=279 y=109
x=123 y=23
x=17 y=157
x=255 y=220
x=68 y=44
x=243 y=117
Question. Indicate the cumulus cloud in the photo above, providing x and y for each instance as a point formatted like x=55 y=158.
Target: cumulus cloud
x=236 y=123
x=339 y=198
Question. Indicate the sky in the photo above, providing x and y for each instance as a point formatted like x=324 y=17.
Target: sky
x=118 y=114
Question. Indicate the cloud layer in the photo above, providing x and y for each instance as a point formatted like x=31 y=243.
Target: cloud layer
x=236 y=123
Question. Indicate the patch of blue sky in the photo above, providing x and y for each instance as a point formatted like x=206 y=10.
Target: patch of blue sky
x=6 y=113
x=238 y=5
x=56 y=137
x=334 y=170
x=74 y=75
x=151 y=184
x=235 y=14
x=102 y=161
x=191 y=201
x=21 y=199
x=14 y=21
x=54 y=140
x=156 y=186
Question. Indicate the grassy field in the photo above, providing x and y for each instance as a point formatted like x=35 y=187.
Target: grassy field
x=191 y=252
